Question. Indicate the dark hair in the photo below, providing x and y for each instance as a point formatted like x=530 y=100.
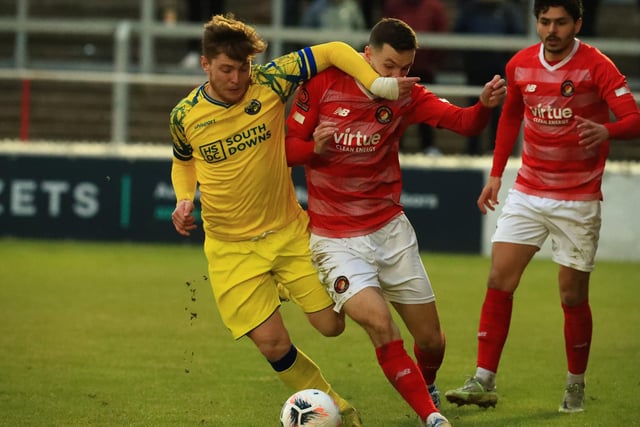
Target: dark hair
x=573 y=7
x=237 y=40
x=395 y=33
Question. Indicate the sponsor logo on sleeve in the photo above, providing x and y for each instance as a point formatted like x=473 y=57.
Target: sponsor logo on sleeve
x=622 y=90
x=302 y=101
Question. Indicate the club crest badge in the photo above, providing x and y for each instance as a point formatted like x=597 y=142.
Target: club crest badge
x=567 y=89
x=384 y=115
x=253 y=107
x=341 y=285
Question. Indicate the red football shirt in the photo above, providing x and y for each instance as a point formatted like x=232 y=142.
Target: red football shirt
x=548 y=97
x=354 y=187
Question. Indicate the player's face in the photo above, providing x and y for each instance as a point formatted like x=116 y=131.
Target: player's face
x=228 y=79
x=388 y=62
x=557 y=29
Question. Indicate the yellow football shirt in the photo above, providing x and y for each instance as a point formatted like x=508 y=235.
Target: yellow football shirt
x=236 y=152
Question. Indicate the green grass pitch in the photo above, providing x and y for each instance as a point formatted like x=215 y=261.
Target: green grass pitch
x=112 y=334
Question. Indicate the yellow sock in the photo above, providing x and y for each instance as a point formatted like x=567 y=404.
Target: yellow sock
x=304 y=374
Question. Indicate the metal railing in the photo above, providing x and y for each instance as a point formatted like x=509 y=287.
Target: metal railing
x=147 y=29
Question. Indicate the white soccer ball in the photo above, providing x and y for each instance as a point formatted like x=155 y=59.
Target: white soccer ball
x=310 y=408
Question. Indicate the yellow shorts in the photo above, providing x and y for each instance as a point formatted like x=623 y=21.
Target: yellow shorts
x=244 y=276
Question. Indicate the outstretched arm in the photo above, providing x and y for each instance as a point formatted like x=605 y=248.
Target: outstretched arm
x=344 y=57
x=494 y=92
x=467 y=121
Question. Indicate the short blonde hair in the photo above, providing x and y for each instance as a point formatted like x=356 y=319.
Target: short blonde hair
x=234 y=38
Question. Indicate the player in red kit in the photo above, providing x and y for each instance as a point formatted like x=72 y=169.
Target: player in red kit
x=362 y=243
x=562 y=89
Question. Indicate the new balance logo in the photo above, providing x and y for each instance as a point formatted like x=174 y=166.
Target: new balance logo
x=342 y=112
x=530 y=88
x=402 y=374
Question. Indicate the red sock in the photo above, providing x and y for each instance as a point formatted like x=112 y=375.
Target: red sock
x=404 y=375
x=429 y=363
x=577 y=336
x=495 y=319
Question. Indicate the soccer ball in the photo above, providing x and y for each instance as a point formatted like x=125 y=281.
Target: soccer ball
x=310 y=408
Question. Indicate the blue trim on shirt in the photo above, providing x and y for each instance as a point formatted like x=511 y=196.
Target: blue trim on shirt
x=312 y=63
x=214 y=101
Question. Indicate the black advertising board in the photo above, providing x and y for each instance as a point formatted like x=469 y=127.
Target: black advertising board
x=441 y=204
x=87 y=198
x=112 y=198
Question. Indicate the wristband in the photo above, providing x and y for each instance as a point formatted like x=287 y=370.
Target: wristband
x=385 y=87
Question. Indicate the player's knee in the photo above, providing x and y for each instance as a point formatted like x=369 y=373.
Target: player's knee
x=332 y=330
x=272 y=339
x=328 y=322
x=381 y=330
x=274 y=350
x=430 y=341
x=502 y=282
x=572 y=298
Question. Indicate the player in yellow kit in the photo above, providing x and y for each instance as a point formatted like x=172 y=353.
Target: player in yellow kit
x=228 y=139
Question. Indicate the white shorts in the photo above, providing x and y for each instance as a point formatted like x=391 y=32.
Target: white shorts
x=574 y=227
x=388 y=259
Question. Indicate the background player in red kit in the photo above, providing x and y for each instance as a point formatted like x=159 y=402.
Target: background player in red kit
x=362 y=244
x=563 y=90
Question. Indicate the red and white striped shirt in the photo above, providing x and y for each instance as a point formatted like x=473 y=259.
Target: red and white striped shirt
x=548 y=97
x=354 y=187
